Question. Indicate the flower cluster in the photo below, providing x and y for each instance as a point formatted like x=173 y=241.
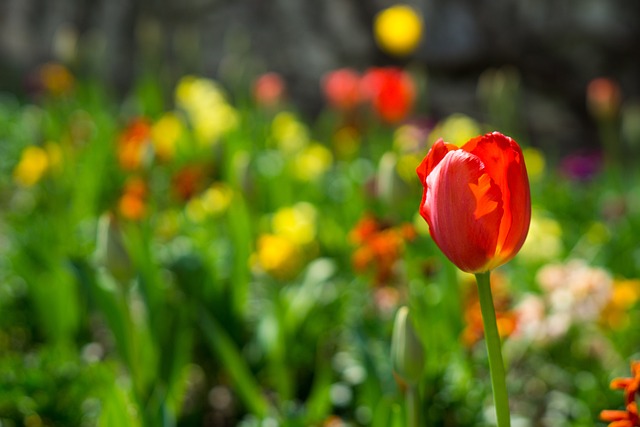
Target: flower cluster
x=389 y=92
x=573 y=293
x=379 y=247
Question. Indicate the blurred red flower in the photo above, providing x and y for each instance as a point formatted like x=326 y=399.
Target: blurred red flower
x=391 y=92
x=269 y=90
x=341 y=89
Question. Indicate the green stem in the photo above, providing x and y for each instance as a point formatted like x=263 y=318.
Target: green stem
x=492 y=338
x=413 y=406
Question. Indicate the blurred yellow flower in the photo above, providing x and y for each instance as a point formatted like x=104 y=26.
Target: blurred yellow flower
x=312 y=162
x=296 y=223
x=289 y=134
x=626 y=293
x=455 y=129
x=214 y=201
x=398 y=30
x=406 y=166
x=33 y=164
x=535 y=162
x=278 y=256
x=217 y=198
x=165 y=134
x=209 y=113
x=54 y=154
x=544 y=241
x=346 y=142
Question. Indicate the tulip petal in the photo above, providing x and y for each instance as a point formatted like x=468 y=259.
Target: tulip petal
x=463 y=206
x=504 y=162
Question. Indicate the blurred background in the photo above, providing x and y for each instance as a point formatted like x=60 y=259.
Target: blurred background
x=556 y=49
x=209 y=212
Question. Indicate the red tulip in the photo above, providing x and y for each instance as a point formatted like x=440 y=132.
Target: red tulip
x=391 y=92
x=269 y=90
x=341 y=88
x=476 y=200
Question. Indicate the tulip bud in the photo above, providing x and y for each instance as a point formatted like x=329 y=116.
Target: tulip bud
x=110 y=250
x=407 y=352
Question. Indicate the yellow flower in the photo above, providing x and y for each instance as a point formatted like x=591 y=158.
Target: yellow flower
x=54 y=155
x=289 y=134
x=34 y=162
x=205 y=103
x=406 y=166
x=626 y=293
x=165 y=134
x=398 y=30
x=312 y=162
x=536 y=163
x=296 y=223
x=216 y=199
x=456 y=129
x=544 y=241
x=278 y=256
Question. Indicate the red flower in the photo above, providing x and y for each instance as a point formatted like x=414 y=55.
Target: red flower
x=269 y=90
x=476 y=200
x=341 y=89
x=391 y=92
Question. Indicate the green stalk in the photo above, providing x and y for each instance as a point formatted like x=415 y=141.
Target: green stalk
x=413 y=406
x=492 y=338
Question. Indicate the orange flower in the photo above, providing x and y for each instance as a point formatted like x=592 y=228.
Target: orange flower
x=380 y=247
x=56 y=78
x=133 y=144
x=476 y=200
x=341 y=89
x=629 y=417
x=188 y=181
x=506 y=319
x=132 y=204
x=391 y=92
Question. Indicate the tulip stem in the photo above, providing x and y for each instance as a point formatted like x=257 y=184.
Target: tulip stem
x=492 y=339
x=413 y=405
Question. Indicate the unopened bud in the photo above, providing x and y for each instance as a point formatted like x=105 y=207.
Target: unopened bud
x=110 y=249
x=407 y=352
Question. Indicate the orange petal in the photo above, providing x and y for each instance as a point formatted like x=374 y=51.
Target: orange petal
x=613 y=415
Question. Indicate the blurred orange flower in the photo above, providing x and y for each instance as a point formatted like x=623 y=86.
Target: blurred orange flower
x=380 y=246
x=55 y=78
x=603 y=98
x=188 y=181
x=134 y=144
x=507 y=319
x=391 y=92
x=132 y=203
